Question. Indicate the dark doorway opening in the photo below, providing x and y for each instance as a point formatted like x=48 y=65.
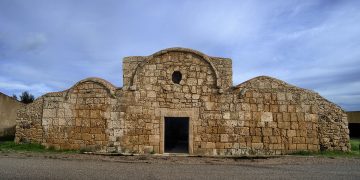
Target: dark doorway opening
x=354 y=130
x=176 y=134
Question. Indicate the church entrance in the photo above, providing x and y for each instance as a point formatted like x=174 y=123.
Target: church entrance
x=176 y=135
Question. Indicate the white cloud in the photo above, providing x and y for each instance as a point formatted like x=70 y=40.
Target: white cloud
x=312 y=44
x=17 y=87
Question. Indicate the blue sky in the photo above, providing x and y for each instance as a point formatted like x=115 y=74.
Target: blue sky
x=49 y=45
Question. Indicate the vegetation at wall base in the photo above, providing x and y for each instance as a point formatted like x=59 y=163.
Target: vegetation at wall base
x=355 y=152
x=10 y=146
x=355 y=144
x=330 y=154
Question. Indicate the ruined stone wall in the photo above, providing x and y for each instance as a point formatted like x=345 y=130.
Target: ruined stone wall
x=129 y=68
x=29 y=122
x=224 y=68
x=260 y=116
x=333 y=126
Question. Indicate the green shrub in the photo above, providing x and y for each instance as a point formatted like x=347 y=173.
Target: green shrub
x=11 y=146
x=31 y=147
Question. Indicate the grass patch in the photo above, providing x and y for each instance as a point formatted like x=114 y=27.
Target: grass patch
x=355 y=144
x=339 y=154
x=328 y=153
x=10 y=146
x=354 y=152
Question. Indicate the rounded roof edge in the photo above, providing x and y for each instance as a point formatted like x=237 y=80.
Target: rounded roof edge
x=179 y=49
x=110 y=87
x=248 y=84
x=271 y=79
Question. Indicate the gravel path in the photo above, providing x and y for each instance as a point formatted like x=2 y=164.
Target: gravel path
x=75 y=166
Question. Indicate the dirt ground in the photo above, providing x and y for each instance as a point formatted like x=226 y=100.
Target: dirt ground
x=171 y=159
x=86 y=166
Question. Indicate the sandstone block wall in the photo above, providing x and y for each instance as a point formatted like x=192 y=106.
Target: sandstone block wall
x=261 y=116
x=79 y=118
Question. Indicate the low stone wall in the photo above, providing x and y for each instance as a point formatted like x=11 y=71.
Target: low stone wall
x=8 y=109
x=333 y=126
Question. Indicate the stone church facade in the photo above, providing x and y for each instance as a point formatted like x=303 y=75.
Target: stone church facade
x=182 y=101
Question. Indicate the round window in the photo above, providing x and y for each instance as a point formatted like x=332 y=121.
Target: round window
x=176 y=77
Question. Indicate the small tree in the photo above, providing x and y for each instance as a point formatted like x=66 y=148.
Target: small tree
x=14 y=96
x=26 y=97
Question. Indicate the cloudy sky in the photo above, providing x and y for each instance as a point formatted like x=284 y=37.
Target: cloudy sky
x=49 y=45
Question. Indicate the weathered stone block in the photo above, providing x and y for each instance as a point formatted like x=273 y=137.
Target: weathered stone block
x=267 y=131
x=86 y=136
x=256 y=139
x=281 y=96
x=100 y=137
x=257 y=145
x=266 y=117
x=301 y=146
x=151 y=94
x=224 y=137
x=209 y=106
x=49 y=113
x=226 y=115
x=291 y=133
